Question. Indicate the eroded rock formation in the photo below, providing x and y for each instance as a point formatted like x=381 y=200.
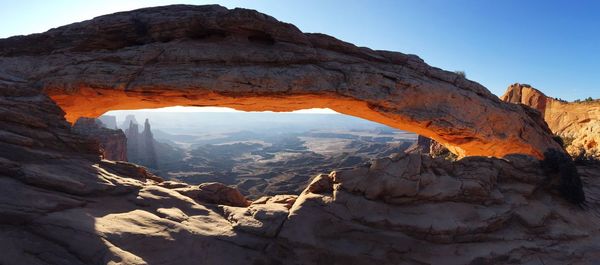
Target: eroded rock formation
x=212 y=56
x=579 y=122
x=62 y=204
x=141 y=146
x=112 y=142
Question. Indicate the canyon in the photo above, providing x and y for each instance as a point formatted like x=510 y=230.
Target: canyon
x=259 y=153
x=513 y=195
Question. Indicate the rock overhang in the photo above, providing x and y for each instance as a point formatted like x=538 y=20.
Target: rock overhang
x=212 y=56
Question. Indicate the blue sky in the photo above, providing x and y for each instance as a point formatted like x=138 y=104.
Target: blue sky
x=552 y=45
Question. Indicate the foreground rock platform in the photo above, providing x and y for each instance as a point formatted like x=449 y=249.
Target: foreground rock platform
x=405 y=209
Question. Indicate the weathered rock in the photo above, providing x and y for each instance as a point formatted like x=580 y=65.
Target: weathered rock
x=264 y=219
x=422 y=145
x=216 y=193
x=287 y=200
x=464 y=212
x=141 y=147
x=113 y=143
x=62 y=204
x=577 y=122
x=212 y=56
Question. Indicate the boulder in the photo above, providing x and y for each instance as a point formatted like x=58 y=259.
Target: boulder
x=216 y=193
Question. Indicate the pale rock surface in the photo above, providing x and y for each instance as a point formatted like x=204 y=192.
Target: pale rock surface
x=216 y=193
x=473 y=211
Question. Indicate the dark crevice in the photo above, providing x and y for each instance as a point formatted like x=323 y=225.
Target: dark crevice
x=261 y=38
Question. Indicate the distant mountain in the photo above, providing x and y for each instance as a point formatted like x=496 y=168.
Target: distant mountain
x=129 y=119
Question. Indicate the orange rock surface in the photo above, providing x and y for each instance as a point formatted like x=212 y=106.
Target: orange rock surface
x=210 y=56
x=88 y=102
x=579 y=121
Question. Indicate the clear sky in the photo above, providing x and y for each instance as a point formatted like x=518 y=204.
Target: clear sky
x=552 y=45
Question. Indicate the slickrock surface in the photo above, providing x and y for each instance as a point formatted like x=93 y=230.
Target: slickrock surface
x=576 y=121
x=212 y=56
x=61 y=204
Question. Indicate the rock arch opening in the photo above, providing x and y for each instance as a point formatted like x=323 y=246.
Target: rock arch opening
x=260 y=153
x=464 y=132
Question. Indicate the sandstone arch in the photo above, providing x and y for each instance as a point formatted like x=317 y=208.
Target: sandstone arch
x=212 y=56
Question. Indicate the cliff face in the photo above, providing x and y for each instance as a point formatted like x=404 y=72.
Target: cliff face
x=141 y=146
x=112 y=143
x=578 y=122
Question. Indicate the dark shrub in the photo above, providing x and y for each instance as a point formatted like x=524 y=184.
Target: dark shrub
x=461 y=73
x=558 y=165
x=564 y=141
x=559 y=140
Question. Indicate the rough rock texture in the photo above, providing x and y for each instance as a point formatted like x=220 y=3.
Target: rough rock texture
x=61 y=204
x=424 y=145
x=212 y=56
x=141 y=146
x=113 y=143
x=215 y=193
x=412 y=209
x=405 y=209
x=579 y=122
